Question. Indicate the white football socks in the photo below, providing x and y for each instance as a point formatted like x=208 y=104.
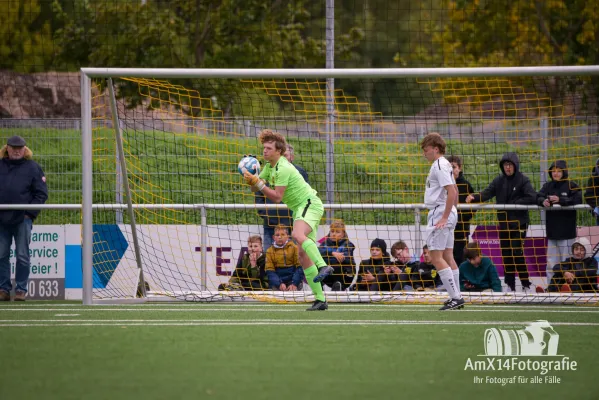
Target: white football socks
x=449 y=283
x=456 y=278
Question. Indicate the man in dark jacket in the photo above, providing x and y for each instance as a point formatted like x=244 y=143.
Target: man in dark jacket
x=511 y=187
x=591 y=194
x=22 y=181
x=560 y=224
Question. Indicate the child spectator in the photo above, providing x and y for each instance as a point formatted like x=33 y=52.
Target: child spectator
x=338 y=252
x=373 y=266
x=462 y=228
x=577 y=273
x=511 y=187
x=282 y=262
x=478 y=273
x=249 y=273
x=402 y=265
x=560 y=225
x=591 y=194
x=424 y=276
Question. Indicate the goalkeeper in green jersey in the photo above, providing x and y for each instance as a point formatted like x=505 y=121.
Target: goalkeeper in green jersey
x=288 y=186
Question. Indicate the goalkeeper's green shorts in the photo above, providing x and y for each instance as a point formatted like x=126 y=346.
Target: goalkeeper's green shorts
x=310 y=212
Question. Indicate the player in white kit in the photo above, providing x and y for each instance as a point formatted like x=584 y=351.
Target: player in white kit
x=441 y=198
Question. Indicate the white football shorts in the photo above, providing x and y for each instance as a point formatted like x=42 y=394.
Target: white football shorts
x=440 y=239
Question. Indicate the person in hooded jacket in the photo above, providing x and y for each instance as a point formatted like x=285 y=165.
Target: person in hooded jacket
x=577 y=273
x=511 y=187
x=22 y=181
x=560 y=224
x=591 y=194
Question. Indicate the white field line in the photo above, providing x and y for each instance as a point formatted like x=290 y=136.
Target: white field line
x=120 y=323
x=316 y=321
x=302 y=309
x=300 y=305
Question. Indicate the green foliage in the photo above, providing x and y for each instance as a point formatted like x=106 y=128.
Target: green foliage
x=189 y=34
x=532 y=32
x=46 y=35
x=25 y=38
x=515 y=33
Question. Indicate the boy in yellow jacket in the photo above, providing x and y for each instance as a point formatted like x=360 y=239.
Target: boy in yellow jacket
x=282 y=262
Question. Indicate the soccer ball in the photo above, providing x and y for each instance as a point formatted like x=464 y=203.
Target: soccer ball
x=250 y=163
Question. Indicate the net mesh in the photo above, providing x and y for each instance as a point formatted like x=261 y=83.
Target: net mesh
x=183 y=144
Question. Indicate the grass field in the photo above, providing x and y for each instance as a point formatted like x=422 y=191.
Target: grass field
x=266 y=351
x=174 y=168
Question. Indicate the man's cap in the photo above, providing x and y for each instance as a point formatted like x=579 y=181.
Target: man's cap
x=16 y=141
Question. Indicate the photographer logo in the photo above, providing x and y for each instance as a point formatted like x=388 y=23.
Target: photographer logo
x=537 y=339
x=533 y=350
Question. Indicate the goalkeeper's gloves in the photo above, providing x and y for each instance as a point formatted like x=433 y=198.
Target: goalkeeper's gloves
x=254 y=181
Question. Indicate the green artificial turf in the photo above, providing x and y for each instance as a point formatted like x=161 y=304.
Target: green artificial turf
x=262 y=351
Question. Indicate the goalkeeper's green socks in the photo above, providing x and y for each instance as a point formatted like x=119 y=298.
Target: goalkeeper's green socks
x=311 y=250
x=316 y=287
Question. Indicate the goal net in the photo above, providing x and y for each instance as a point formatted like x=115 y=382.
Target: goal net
x=173 y=219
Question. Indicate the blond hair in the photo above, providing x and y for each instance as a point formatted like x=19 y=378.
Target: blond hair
x=254 y=239
x=339 y=224
x=282 y=227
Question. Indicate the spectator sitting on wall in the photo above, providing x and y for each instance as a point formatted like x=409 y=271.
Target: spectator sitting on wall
x=249 y=274
x=577 y=273
x=374 y=266
x=478 y=273
x=338 y=252
x=282 y=262
x=424 y=276
x=402 y=265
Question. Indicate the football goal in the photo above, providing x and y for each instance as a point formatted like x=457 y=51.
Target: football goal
x=167 y=216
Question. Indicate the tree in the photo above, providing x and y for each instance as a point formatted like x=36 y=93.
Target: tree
x=481 y=33
x=188 y=34
x=25 y=42
x=529 y=32
x=387 y=28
